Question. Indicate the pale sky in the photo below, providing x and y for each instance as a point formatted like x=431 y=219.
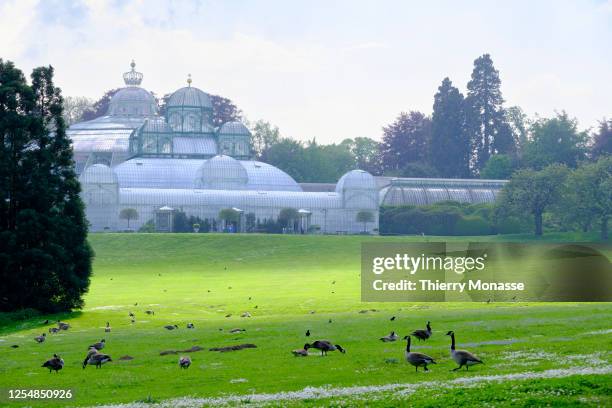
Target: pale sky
x=323 y=69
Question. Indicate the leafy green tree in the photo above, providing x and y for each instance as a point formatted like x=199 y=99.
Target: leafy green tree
x=449 y=150
x=264 y=136
x=45 y=260
x=366 y=154
x=518 y=124
x=533 y=192
x=405 y=140
x=602 y=140
x=499 y=166
x=288 y=155
x=326 y=163
x=485 y=122
x=555 y=140
x=589 y=194
x=128 y=214
x=365 y=217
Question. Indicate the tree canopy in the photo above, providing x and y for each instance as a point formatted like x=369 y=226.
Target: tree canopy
x=45 y=260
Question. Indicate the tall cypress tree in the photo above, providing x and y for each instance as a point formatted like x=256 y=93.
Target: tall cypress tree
x=450 y=146
x=486 y=125
x=45 y=260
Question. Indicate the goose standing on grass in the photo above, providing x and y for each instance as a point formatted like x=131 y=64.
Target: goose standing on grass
x=324 y=346
x=99 y=345
x=462 y=357
x=54 y=364
x=150 y=312
x=171 y=327
x=94 y=357
x=107 y=329
x=190 y=326
x=390 y=337
x=423 y=334
x=53 y=330
x=41 y=338
x=184 y=362
x=62 y=325
x=417 y=359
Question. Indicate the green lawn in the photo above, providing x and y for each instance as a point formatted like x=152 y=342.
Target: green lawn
x=201 y=278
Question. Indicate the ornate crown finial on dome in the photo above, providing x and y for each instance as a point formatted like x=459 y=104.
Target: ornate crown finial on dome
x=189 y=80
x=132 y=78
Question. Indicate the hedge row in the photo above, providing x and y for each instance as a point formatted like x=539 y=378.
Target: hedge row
x=448 y=218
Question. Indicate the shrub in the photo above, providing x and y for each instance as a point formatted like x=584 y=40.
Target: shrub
x=472 y=225
x=148 y=226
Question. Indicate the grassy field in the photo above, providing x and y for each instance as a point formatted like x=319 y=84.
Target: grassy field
x=535 y=353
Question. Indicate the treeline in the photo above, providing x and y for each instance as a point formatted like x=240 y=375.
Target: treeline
x=468 y=135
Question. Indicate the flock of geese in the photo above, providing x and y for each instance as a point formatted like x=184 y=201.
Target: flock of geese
x=462 y=357
x=97 y=358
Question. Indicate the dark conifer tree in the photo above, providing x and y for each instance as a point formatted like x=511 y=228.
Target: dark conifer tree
x=485 y=114
x=450 y=148
x=45 y=260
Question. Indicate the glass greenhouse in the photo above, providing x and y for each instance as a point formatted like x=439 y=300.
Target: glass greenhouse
x=421 y=191
x=158 y=165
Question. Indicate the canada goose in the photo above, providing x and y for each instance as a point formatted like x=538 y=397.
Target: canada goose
x=53 y=330
x=133 y=320
x=171 y=327
x=107 y=329
x=255 y=307
x=184 y=362
x=308 y=333
x=94 y=357
x=15 y=346
x=131 y=314
x=149 y=312
x=136 y=304
x=41 y=338
x=54 y=364
x=324 y=346
x=390 y=337
x=245 y=314
x=190 y=326
x=462 y=357
x=234 y=331
x=417 y=359
x=249 y=298
x=392 y=318
x=46 y=322
x=330 y=320
x=423 y=334
x=300 y=352
x=99 y=345
x=62 y=325
x=228 y=315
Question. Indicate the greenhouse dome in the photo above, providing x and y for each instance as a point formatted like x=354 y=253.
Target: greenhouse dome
x=160 y=165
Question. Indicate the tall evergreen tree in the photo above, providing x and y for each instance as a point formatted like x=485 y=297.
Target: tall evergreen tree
x=449 y=150
x=405 y=141
x=487 y=129
x=45 y=260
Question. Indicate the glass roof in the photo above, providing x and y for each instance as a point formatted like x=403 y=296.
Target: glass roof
x=421 y=191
